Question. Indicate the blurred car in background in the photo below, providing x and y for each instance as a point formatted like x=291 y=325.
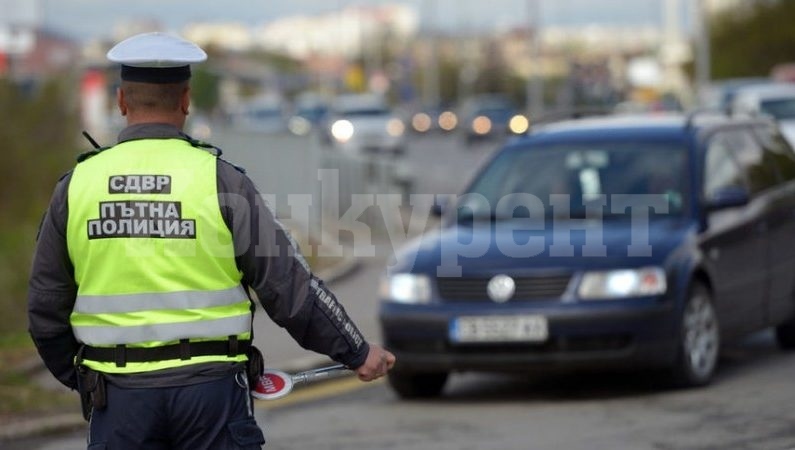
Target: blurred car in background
x=364 y=123
x=438 y=118
x=310 y=112
x=199 y=126
x=774 y=99
x=719 y=95
x=623 y=242
x=491 y=116
x=263 y=114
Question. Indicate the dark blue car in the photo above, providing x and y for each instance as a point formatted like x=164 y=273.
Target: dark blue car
x=645 y=241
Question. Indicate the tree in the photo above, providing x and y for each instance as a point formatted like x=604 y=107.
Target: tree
x=204 y=90
x=752 y=38
x=39 y=135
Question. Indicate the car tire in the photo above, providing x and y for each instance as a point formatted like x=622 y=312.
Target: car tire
x=785 y=334
x=410 y=385
x=699 y=341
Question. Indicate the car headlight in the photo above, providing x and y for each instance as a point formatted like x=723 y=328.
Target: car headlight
x=481 y=125
x=421 y=122
x=448 y=121
x=622 y=283
x=342 y=130
x=299 y=125
x=519 y=124
x=406 y=288
x=395 y=127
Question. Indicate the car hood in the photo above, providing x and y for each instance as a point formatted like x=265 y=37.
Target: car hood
x=787 y=128
x=487 y=247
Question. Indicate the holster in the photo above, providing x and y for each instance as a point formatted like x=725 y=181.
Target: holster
x=255 y=366
x=93 y=394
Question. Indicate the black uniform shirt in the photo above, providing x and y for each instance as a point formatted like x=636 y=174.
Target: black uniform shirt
x=267 y=256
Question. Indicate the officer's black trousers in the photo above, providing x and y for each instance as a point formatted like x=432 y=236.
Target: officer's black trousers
x=214 y=415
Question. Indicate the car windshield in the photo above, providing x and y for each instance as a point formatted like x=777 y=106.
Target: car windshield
x=266 y=113
x=311 y=112
x=783 y=108
x=607 y=179
x=495 y=111
x=365 y=111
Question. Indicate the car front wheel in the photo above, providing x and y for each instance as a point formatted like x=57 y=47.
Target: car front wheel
x=699 y=341
x=417 y=385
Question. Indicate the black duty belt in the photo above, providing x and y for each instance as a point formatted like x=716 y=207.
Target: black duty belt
x=184 y=350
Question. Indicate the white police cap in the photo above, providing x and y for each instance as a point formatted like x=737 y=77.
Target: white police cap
x=156 y=57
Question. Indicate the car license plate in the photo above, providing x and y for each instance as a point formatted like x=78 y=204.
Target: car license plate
x=529 y=328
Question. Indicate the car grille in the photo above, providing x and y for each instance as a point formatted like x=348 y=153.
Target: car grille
x=527 y=288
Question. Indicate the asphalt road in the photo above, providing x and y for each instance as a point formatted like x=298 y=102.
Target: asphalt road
x=437 y=166
x=748 y=406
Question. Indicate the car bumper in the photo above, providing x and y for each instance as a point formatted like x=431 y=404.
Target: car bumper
x=638 y=332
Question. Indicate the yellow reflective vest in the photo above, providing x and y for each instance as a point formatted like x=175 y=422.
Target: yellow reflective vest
x=153 y=258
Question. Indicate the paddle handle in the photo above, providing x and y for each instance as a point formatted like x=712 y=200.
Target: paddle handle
x=317 y=374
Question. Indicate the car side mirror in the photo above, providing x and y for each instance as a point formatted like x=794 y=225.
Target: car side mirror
x=728 y=197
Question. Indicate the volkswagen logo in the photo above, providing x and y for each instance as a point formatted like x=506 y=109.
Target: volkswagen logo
x=501 y=288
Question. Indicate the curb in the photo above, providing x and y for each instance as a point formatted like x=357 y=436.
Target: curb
x=61 y=422
x=40 y=426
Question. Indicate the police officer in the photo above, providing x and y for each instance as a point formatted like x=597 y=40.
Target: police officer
x=139 y=290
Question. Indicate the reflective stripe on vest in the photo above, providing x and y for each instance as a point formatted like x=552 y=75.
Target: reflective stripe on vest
x=123 y=303
x=163 y=332
x=153 y=258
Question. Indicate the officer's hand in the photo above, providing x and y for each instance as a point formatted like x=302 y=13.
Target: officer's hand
x=378 y=362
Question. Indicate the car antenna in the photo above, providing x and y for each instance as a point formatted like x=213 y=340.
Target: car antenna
x=91 y=140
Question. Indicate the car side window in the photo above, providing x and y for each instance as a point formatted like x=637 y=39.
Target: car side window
x=777 y=149
x=754 y=161
x=720 y=169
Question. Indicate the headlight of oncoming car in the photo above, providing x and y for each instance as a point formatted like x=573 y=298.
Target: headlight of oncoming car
x=421 y=122
x=342 y=130
x=448 y=121
x=622 y=283
x=395 y=127
x=519 y=124
x=481 y=125
x=406 y=288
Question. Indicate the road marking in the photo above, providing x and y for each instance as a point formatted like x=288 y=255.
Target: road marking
x=317 y=391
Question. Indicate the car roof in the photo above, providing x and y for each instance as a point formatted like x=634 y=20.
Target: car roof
x=346 y=102
x=631 y=126
x=767 y=91
x=487 y=101
x=720 y=93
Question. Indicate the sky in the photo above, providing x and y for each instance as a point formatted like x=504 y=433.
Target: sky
x=85 y=19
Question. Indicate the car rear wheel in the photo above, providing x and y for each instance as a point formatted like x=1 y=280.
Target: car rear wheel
x=785 y=334
x=699 y=341
x=417 y=385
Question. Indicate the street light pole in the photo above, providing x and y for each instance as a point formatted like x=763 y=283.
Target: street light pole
x=431 y=77
x=702 y=46
x=535 y=81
